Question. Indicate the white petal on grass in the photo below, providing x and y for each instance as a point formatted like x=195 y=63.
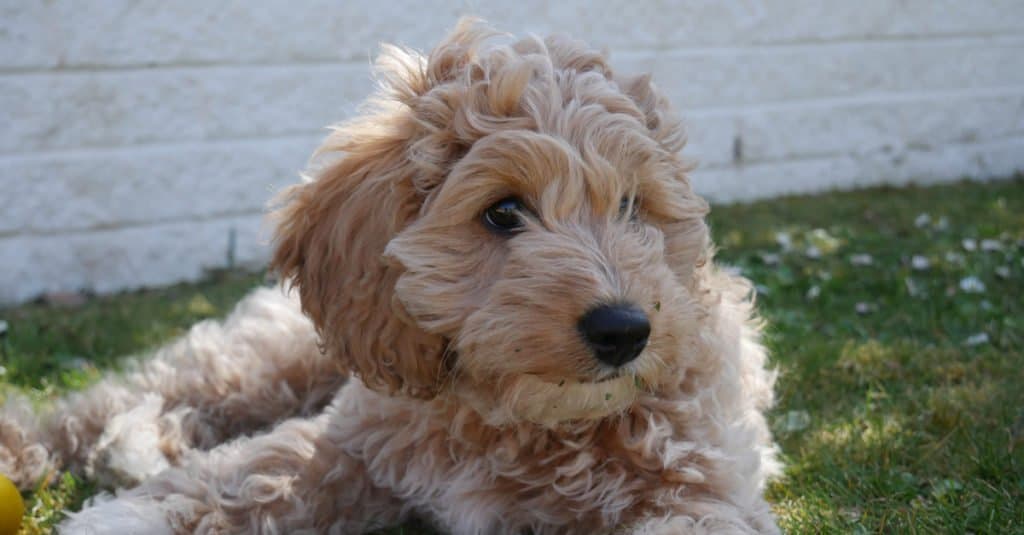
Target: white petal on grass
x=970 y=244
x=972 y=285
x=976 y=340
x=813 y=253
x=955 y=258
x=795 y=421
x=991 y=245
x=784 y=240
x=1003 y=272
x=942 y=223
x=946 y=487
x=3 y=371
x=825 y=242
x=813 y=292
x=770 y=259
x=922 y=220
x=861 y=259
x=863 y=308
x=920 y=262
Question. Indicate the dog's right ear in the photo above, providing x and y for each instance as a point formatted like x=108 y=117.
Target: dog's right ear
x=331 y=232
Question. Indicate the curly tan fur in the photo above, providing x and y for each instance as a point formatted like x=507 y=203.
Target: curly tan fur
x=474 y=403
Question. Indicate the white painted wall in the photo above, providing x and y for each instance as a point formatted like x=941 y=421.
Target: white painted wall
x=136 y=135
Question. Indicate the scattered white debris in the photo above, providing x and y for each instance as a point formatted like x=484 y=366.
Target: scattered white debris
x=922 y=220
x=862 y=259
x=863 y=308
x=1003 y=272
x=784 y=240
x=976 y=339
x=972 y=285
x=813 y=253
x=920 y=262
x=946 y=486
x=795 y=421
x=823 y=241
x=3 y=328
x=942 y=223
x=991 y=245
x=770 y=259
x=3 y=371
x=955 y=258
x=813 y=292
x=970 y=244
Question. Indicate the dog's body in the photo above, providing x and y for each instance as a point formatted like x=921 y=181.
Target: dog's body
x=508 y=258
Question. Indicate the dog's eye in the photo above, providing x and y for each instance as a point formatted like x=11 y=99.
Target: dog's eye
x=627 y=207
x=505 y=216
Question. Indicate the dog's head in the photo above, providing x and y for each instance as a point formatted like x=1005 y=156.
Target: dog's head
x=507 y=224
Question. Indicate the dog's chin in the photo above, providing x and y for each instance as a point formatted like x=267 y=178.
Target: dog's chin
x=529 y=398
x=546 y=403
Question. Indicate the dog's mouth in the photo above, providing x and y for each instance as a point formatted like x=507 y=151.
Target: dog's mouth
x=549 y=403
x=550 y=400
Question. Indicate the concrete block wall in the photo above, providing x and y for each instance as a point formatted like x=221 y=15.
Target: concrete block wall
x=140 y=139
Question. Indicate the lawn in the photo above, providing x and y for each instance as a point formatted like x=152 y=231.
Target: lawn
x=895 y=317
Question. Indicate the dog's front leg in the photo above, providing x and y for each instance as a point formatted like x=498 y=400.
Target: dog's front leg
x=294 y=479
x=706 y=518
x=223 y=379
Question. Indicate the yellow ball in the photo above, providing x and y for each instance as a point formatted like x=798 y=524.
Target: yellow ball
x=11 y=507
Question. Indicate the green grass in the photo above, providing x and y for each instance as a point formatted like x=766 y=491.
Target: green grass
x=894 y=413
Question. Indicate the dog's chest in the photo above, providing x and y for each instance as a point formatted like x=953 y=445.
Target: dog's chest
x=477 y=479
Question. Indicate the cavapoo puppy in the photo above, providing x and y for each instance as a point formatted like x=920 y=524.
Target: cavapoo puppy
x=501 y=315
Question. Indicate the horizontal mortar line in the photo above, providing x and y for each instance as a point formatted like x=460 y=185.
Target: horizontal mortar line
x=798 y=158
x=89 y=68
x=130 y=224
x=709 y=50
x=162 y=146
x=827 y=156
x=686 y=113
x=367 y=62
x=879 y=97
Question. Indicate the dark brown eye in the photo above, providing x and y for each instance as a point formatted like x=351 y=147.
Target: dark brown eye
x=505 y=216
x=627 y=207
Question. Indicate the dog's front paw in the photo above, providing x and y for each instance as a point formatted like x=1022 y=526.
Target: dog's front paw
x=130 y=449
x=24 y=459
x=105 y=514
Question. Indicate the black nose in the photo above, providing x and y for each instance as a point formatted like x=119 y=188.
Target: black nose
x=616 y=333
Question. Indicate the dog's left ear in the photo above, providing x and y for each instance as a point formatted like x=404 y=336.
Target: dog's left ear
x=330 y=236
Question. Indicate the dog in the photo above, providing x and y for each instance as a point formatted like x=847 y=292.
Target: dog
x=499 y=314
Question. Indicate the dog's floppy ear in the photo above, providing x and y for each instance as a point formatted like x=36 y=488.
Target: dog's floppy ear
x=332 y=230
x=330 y=236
